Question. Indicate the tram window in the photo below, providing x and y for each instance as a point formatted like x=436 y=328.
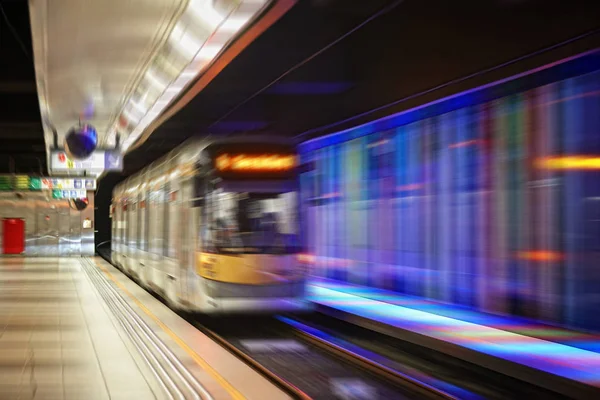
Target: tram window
x=251 y=223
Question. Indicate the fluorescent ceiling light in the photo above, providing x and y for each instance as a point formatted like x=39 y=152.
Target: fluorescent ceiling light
x=184 y=47
x=136 y=111
x=208 y=52
x=174 y=89
x=154 y=79
x=233 y=24
x=188 y=74
x=203 y=10
x=165 y=98
x=139 y=107
x=184 y=42
x=132 y=117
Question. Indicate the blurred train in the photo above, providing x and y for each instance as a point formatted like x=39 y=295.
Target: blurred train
x=212 y=227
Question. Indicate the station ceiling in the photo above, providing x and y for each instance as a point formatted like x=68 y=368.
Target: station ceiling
x=22 y=147
x=321 y=65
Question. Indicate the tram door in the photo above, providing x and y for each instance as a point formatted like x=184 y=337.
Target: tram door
x=187 y=239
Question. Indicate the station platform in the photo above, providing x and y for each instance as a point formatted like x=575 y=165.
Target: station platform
x=565 y=361
x=76 y=328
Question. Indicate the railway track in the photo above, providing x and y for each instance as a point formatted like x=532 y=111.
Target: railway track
x=309 y=367
x=452 y=376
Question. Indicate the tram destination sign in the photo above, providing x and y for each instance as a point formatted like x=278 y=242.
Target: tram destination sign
x=255 y=165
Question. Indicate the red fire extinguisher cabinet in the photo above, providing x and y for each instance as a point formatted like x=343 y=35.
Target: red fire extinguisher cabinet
x=13 y=238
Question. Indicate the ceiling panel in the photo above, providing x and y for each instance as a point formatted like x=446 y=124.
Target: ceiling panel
x=89 y=53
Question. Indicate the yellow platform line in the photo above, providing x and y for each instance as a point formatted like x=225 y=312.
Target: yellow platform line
x=199 y=360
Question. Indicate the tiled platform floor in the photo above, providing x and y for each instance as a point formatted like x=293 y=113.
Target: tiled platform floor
x=59 y=340
x=570 y=355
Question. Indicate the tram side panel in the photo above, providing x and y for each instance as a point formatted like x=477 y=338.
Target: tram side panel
x=113 y=230
x=184 y=237
x=197 y=294
x=121 y=228
x=163 y=277
x=142 y=254
x=171 y=273
x=134 y=263
x=116 y=254
x=115 y=235
x=124 y=237
x=131 y=237
x=126 y=254
x=154 y=223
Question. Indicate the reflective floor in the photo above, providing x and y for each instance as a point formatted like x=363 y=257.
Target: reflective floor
x=72 y=328
x=56 y=335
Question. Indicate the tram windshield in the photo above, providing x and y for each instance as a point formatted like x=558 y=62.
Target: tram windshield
x=260 y=223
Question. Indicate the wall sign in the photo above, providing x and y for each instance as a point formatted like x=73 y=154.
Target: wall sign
x=98 y=161
x=68 y=183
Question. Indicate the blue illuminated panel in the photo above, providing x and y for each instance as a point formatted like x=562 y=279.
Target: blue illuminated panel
x=487 y=199
x=489 y=335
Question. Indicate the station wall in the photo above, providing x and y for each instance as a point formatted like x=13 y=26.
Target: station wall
x=52 y=227
x=489 y=199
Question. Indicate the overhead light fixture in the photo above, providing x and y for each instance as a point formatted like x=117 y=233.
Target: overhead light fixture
x=155 y=80
x=234 y=24
x=204 y=11
x=139 y=107
x=132 y=117
x=174 y=89
x=208 y=52
x=185 y=41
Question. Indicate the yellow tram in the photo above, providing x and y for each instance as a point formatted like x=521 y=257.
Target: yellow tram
x=213 y=227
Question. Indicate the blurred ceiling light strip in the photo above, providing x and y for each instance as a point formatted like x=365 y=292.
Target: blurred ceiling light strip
x=154 y=79
x=184 y=41
x=204 y=11
x=208 y=52
x=569 y=163
x=131 y=117
x=223 y=28
x=139 y=107
x=233 y=24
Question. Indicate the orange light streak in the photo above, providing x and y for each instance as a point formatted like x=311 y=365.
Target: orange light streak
x=541 y=255
x=266 y=162
x=569 y=163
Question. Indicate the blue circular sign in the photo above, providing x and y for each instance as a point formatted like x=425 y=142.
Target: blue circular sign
x=81 y=141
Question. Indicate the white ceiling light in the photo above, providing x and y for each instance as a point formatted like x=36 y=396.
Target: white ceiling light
x=132 y=116
x=234 y=24
x=208 y=52
x=174 y=89
x=204 y=11
x=141 y=108
x=155 y=80
x=184 y=41
x=199 y=19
